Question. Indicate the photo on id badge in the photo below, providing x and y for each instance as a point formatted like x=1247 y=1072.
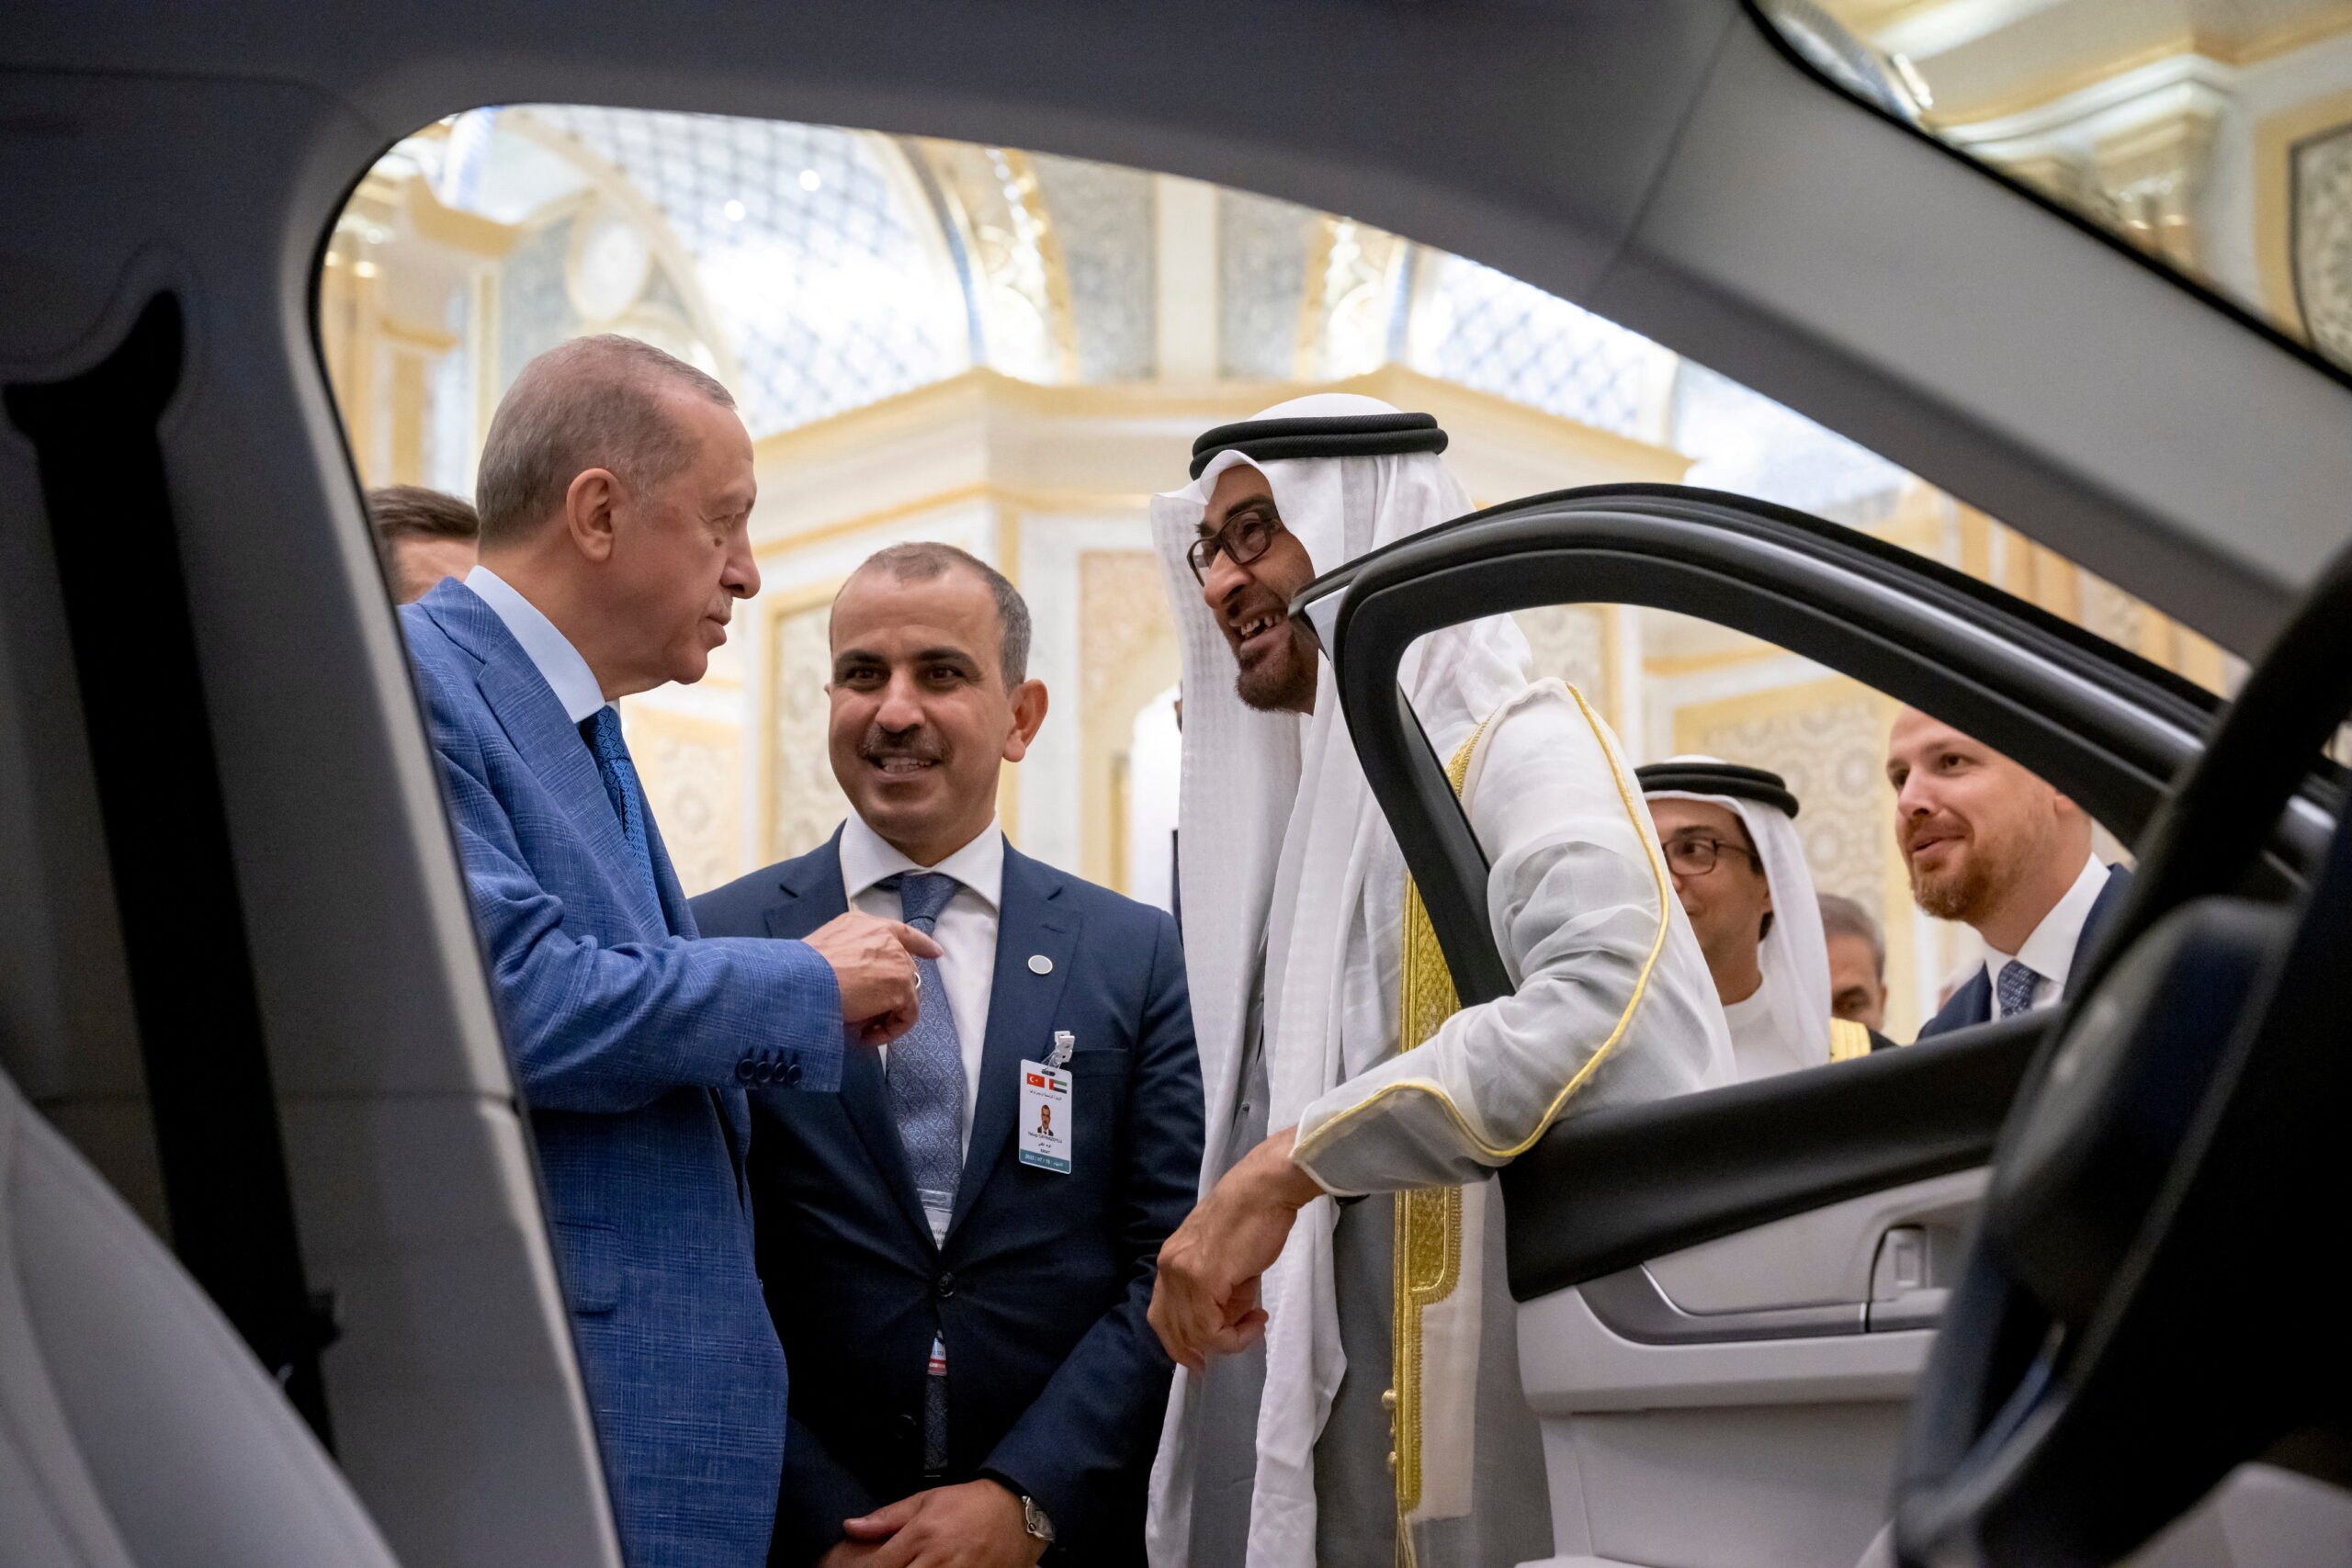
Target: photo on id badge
x=1045 y=1108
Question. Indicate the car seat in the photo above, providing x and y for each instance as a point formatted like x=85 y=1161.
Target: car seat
x=136 y=1428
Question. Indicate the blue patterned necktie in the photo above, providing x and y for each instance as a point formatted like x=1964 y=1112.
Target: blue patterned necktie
x=2015 y=988
x=926 y=1070
x=926 y=1084
x=603 y=732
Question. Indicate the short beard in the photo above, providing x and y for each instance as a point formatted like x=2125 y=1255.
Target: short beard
x=1283 y=684
x=1973 y=894
x=1967 y=895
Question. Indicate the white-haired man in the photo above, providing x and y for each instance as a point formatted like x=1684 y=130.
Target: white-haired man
x=1334 y=1059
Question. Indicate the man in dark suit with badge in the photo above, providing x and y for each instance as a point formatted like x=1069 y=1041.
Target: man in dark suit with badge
x=958 y=1248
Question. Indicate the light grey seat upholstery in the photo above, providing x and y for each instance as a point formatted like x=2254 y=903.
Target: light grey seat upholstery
x=136 y=1428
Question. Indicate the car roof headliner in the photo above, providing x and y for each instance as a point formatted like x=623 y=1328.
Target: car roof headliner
x=1660 y=162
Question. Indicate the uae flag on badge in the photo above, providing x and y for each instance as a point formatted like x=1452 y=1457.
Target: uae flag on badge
x=1045 y=1117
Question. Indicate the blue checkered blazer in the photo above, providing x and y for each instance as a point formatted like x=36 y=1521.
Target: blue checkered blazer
x=633 y=1042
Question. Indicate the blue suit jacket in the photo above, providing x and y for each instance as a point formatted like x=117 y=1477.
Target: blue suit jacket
x=1972 y=1003
x=631 y=1044
x=1056 y=1383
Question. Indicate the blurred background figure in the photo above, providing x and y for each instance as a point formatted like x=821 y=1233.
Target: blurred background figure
x=1857 y=961
x=1730 y=837
x=423 y=535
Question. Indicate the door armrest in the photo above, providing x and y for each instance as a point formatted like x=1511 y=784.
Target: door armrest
x=1605 y=1192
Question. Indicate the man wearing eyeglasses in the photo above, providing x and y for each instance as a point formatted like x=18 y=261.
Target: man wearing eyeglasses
x=1731 y=842
x=1316 y=1420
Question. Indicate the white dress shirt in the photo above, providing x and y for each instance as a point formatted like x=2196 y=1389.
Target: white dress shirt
x=966 y=929
x=566 y=673
x=2050 y=950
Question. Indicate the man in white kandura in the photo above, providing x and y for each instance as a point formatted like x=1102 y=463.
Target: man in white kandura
x=1730 y=834
x=1334 y=1062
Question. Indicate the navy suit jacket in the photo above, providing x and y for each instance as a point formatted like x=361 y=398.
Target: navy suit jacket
x=631 y=1044
x=1056 y=1384
x=1972 y=1003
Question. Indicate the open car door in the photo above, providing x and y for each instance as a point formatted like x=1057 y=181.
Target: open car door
x=1727 y=1299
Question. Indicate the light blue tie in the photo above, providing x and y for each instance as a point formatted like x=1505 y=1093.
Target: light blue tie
x=2015 y=988
x=612 y=765
x=926 y=1071
x=926 y=1082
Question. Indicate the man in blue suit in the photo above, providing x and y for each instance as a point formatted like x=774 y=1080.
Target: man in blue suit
x=959 y=1246
x=615 y=492
x=1989 y=843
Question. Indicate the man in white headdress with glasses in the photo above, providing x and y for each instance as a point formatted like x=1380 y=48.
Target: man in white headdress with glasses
x=1730 y=835
x=1347 y=1392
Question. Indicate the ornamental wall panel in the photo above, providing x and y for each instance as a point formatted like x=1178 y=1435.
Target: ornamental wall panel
x=805 y=801
x=692 y=769
x=2322 y=178
x=1828 y=739
x=1570 y=641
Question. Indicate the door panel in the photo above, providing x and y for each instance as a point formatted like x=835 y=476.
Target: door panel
x=1753 y=1361
x=1727 y=1298
x=1625 y=1185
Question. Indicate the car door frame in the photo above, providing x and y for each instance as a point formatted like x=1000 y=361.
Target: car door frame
x=2106 y=727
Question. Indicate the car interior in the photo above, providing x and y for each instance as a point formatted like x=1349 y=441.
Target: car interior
x=275 y=1280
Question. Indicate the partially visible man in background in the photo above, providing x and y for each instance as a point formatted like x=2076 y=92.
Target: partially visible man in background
x=1988 y=843
x=960 y=1247
x=1857 y=963
x=1730 y=837
x=615 y=492
x=423 y=536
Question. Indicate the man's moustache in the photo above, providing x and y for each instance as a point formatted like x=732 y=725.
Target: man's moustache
x=875 y=748
x=1931 y=829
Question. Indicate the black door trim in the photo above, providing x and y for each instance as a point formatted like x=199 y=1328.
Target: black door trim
x=1614 y=1188
x=2103 y=725
x=1624 y=1185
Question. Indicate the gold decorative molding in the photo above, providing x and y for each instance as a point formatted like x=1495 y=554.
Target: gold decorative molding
x=2151 y=177
x=2051 y=87
x=1342 y=315
x=863 y=522
x=485 y=239
x=999 y=210
x=1669 y=666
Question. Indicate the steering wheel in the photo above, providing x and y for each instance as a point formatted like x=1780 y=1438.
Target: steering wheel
x=2141 y=1308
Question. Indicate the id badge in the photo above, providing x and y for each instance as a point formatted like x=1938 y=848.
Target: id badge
x=1045 y=1117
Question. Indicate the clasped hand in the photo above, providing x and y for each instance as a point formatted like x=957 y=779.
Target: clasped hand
x=874 y=962
x=1204 y=1301
x=976 y=1525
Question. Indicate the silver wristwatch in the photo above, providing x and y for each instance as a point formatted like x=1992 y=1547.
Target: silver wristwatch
x=1033 y=1520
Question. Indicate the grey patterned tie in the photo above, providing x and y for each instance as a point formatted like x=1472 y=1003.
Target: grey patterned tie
x=2015 y=988
x=926 y=1082
x=926 y=1070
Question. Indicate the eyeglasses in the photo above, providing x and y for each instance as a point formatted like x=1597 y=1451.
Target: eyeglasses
x=1696 y=856
x=1242 y=540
